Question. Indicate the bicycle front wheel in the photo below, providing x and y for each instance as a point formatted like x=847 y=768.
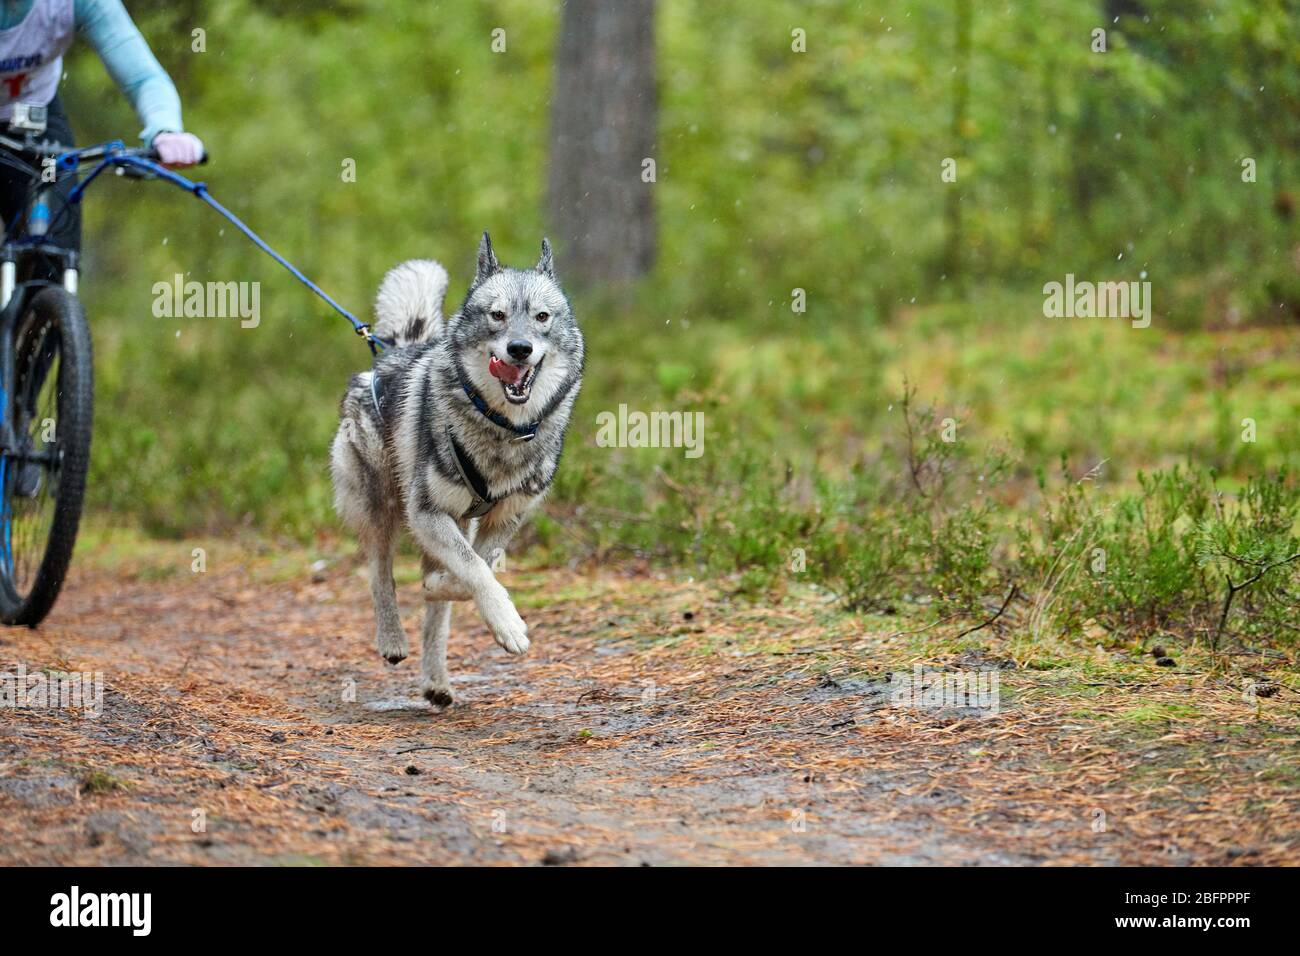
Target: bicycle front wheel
x=43 y=476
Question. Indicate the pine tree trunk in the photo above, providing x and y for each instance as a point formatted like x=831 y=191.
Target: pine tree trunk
x=604 y=126
x=952 y=257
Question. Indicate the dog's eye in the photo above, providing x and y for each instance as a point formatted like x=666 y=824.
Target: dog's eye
x=498 y=315
x=543 y=316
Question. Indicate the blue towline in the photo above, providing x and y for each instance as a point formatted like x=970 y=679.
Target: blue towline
x=69 y=161
x=116 y=156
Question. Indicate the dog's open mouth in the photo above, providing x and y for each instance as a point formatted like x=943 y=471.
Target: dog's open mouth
x=516 y=380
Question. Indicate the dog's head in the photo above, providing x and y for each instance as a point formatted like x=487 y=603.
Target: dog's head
x=516 y=332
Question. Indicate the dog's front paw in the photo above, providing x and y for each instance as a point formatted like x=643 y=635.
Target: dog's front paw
x=392 y=645
x=437 y=694
x=441 y=586
x=504 y=621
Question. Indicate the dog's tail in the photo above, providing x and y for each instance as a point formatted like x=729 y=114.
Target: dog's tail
x=408 y=307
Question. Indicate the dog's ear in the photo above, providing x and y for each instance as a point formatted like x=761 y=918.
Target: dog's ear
x=546 y=265
x=487 y=259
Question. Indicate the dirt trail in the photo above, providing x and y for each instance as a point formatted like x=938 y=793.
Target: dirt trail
x=250 y=721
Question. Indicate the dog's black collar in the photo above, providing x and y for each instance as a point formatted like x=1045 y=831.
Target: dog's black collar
x=524 y=432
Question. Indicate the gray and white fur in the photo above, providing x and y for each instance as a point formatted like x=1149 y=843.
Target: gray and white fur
x=395 y=464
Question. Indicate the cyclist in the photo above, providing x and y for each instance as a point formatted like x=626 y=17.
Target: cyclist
x=34 y=36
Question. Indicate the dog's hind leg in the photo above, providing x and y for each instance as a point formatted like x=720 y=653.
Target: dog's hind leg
x=359 y=497
x=436 y=686
x=390 y=639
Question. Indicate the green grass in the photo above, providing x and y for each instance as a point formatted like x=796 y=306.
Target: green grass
x=98 y=781
x=1158 y=714
x=1072 y=438
x=251 y=450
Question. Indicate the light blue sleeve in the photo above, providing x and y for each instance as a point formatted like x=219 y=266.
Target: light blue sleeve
x=131 y=64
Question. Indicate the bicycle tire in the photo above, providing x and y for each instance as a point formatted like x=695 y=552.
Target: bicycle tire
x=56 y=316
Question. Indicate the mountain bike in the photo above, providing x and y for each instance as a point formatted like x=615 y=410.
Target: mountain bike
x=46 y=375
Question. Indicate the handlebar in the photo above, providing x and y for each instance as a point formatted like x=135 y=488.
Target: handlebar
x=27 y=154
x=91 y=154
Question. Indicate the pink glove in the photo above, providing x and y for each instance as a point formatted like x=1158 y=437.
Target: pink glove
x=178 y=149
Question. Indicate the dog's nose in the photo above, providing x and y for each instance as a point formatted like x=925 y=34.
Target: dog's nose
x=519 y=349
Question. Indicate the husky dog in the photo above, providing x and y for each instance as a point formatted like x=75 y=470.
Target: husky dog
x=456 y=432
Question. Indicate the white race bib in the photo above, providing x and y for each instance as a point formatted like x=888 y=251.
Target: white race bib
x=31 y=55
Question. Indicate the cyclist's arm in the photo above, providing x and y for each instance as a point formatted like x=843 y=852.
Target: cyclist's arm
x=131 y=64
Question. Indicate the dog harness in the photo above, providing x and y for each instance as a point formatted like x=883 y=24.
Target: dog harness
x=475 y=483
x=481 y=502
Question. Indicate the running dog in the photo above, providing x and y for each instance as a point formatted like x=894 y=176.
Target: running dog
x=456 y=433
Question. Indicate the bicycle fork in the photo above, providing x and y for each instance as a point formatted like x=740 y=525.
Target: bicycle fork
x=8 y=278
x=9 y=269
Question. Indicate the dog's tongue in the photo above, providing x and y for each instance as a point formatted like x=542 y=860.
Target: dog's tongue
x=503 y=370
